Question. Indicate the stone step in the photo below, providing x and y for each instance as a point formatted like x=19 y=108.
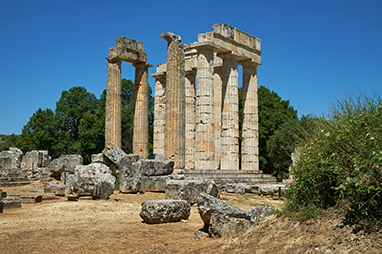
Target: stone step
x=14 y=184
x=12 y=203
x=26 y=198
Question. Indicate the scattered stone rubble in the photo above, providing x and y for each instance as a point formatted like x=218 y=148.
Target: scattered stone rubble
x=163 y=211
x=189 y=190
x=137 y=174
x=241 y=188
x=222 y=219
x=93 y=180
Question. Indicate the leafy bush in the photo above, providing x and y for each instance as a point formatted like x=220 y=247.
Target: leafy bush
x=340 y=163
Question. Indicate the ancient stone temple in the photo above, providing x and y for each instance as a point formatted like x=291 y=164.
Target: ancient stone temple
x=131 y=51
x=198 y=128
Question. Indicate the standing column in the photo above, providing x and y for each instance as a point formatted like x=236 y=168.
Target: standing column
x=204 y=139
x=230 y=114
x=141 y=109
x=159 y=115
x=250 y=143
x=176 y=101
x=113 y=104
x=218 y=114
x=190 y=120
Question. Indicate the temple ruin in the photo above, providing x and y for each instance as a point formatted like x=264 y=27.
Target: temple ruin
x=211 y=121
x=196 y=113
x=131 y=51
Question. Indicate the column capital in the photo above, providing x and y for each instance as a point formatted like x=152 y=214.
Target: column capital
x=229 y=54
x=142 y=65
x=249 y=62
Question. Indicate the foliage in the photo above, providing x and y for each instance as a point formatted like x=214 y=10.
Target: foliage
x=340 y=163
x=40 y=133
x=78 y=124
x=273 y=113
x=7 y=141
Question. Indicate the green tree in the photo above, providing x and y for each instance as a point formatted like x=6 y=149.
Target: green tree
x=285 y=140
x=273 y=112
x=70 y=110
x=7 y=141
x=40 y=133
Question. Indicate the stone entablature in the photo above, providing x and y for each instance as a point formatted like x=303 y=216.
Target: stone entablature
x=211 y=114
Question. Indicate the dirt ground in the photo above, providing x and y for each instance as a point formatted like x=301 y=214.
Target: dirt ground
x=114 y=226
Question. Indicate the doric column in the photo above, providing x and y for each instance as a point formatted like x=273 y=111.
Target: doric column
x=250 y=142
x=230 y=114
x=159 y=114
x=175 y=97
x=141 y=109
x=113 y=104
x=218 y=114
x=204 y=139
x=190 y=120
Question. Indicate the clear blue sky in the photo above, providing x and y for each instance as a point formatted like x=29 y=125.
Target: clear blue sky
x=312 y=51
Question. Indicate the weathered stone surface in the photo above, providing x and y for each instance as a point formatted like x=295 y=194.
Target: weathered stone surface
x=53 y=187
x=5 y=162
x=207 y=205
x=236 y=188
x=15 y=155
x=224 y=225
x=268 y=190
x=10 y=204
x=259 y=213
x=189 y=189
x=175 y=98
x=94 y=179
x=154 y=183
x=114 y=153
x=98 y=158
x=162 y=211
x=36 y=158
x=141 y=115
x=130 y=173
x=200 y=234
x=156 y=167
x=66 y=163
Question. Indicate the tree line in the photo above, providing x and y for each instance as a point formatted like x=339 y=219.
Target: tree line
x=77 y=126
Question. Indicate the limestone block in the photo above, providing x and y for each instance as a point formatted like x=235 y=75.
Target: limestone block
x=223 y=225
x=130 y=174
x=5 y=162
x=259 y=213
x=114 y=153
x=235 y=188
x=190 y=189
x=98 y=158
x=10 y=204
x=128 y=50
x=156 y=167
x=36 y=158
x=65 y=163
x=154 y=183
x=207 y=205
x=163 y=211
x=15 y=155
x=53 y=187
x=94 y=180
x=268 y=190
